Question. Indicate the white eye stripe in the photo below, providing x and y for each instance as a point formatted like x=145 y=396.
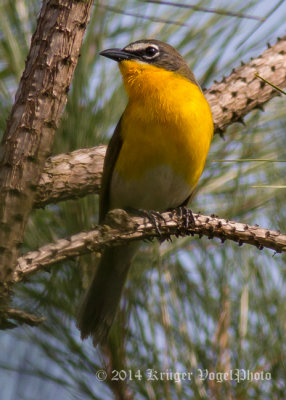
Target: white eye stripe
x=140 y=46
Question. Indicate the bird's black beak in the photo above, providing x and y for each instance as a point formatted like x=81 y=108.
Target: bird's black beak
x=117 y=54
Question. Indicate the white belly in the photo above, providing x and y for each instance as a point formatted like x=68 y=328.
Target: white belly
x=158 y=189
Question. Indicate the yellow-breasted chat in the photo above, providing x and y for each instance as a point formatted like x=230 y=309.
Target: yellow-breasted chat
x=153 y=162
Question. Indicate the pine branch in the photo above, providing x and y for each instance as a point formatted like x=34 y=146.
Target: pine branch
x=78 y=173
x=122 y=228
x=35 y=116
x=72 y=175
x=235 y=96
x=20 y=316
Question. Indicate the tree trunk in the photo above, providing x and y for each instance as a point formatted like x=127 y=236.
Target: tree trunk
x=39 y=103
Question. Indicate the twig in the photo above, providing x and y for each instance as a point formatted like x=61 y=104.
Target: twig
x=146 y=17
x=206 y=10
x=122 y=229
x=20 y=316
x=270 y=83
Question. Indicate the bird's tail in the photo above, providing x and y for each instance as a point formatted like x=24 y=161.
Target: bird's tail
x=100 y=303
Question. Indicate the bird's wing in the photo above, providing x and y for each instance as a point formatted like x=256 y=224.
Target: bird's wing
x=111 y=156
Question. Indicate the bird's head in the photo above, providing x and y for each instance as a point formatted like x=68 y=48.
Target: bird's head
x=149 y=55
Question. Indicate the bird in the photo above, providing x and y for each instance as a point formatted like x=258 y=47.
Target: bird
x=153 y=161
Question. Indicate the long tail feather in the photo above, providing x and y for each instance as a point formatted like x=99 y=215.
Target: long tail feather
x=101 y=301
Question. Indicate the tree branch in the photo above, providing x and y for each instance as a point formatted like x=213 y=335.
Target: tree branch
x=79 y=173
x=71 y=175
x=35 y=116
x=235 y=96
x=122 y=228
x=20 y=316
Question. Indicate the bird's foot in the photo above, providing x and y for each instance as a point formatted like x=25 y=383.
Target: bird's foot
x=153 y=216
x=187 y=216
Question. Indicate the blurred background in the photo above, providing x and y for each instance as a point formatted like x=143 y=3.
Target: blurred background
x=190 y=305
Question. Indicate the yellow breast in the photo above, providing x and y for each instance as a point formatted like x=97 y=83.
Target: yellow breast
x=167 y=122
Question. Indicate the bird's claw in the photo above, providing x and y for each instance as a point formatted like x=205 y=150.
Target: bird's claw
x=187 y=216
x=152 y=216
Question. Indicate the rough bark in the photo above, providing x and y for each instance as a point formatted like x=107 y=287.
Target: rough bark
x=35 y=116
x=72 y=175
x=238 y=94
x=79 y=173
x=123 y=228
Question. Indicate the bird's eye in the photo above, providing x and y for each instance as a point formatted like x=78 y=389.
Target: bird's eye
x=151 y=51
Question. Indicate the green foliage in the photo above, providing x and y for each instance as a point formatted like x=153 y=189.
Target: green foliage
x=192 y=304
